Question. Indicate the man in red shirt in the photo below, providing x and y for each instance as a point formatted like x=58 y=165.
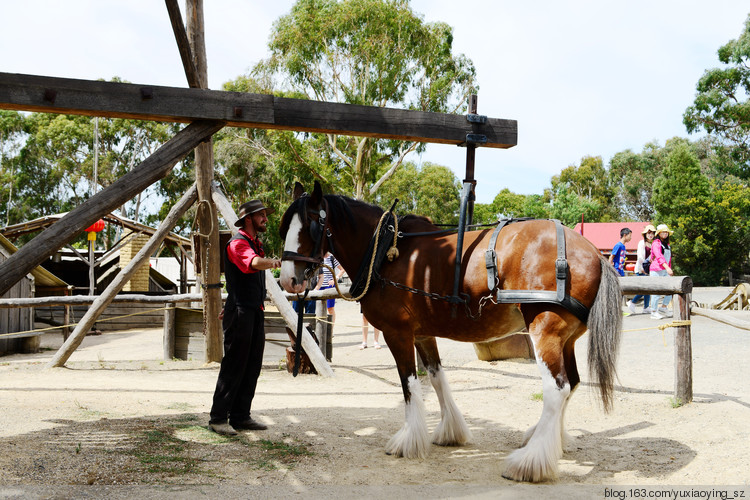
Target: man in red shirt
x=242 y=321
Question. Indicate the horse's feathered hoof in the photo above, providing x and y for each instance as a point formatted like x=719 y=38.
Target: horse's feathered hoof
x=525 y=465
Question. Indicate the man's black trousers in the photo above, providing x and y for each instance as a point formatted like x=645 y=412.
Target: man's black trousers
x=244 y=341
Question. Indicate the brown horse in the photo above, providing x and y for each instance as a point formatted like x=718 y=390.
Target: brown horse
x=407 y=300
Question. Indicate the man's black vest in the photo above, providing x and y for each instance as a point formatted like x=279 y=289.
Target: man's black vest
x=244 y=290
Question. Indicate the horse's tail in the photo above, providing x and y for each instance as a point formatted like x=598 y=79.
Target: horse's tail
x=605 y=326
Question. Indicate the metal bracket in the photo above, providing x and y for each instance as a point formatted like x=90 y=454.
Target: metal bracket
x=474 y=118
x=476 y=139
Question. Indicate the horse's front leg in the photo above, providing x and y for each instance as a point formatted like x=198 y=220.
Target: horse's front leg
x=452 y=430
x=412 y=440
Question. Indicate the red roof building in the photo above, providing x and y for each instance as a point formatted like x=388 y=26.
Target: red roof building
x=604 y=236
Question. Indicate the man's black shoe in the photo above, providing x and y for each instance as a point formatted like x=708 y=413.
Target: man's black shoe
x=249 y=425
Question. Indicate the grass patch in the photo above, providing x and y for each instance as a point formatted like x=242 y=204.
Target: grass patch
x=675 y=402
x=537 y=396
x=162 y=453
x=277 y=453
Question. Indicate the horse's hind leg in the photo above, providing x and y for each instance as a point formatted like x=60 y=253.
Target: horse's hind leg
x=571 y=370
x=413 y=439
x=537 y=459
x=452 y=429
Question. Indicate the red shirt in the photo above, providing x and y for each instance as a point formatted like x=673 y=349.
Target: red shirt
x=241 y=254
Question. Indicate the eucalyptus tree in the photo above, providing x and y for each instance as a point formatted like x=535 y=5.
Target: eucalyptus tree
x=722 y=103
x=367 y=52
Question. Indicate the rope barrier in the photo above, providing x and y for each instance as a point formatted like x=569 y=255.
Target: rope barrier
x=671 y=324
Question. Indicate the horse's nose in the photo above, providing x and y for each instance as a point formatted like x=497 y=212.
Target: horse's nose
x=298 y=287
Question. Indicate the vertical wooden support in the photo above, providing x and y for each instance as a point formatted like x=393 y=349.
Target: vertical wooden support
x=169 y=331
x=321 y=328
x=683 y=350
x=208 y=221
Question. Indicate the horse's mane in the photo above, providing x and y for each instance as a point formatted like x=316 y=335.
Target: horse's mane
x=340 y=206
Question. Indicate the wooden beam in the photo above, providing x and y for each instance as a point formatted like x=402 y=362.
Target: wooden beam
x=141 y=258
x=153 y=168
x=238 y=109
x=182 y=44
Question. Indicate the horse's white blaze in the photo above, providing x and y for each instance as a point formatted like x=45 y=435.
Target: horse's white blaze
x=288 y=266
x=412 y=440
x=537 y=460
x=452 y=429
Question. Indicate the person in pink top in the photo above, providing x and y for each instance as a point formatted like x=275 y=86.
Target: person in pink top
x=661 y=265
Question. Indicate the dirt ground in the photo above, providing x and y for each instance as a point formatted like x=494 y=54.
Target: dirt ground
x=119 y=422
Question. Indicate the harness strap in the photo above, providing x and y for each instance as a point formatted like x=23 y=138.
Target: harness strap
x=490 y=256
x=559 y=296
x=543 y=296
x=561 y=264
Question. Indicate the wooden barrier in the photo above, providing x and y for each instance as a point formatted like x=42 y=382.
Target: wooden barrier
x=681 y=287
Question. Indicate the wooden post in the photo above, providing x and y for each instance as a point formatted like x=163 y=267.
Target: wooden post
x=169 y=332
x=683 y=351
x=290 y=316
x=321 y=327
x=208 y=221
x=101 y=302
x=153 y=168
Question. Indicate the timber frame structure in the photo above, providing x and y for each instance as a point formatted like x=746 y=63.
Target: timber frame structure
x=206 y=112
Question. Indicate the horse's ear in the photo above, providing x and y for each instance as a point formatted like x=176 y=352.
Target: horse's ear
x=298 y=191
x=317 y=195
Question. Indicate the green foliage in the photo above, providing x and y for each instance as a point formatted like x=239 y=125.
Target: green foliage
x=583 y=190
x=721 y=105
x=710 y=219
x=432 y=191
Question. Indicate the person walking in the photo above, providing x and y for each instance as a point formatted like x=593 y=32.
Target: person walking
x=619 y=253
x=661 y=265
x=242 y=322
x=642 y=266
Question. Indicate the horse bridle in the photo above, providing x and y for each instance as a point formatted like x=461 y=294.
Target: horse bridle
x=318 y=229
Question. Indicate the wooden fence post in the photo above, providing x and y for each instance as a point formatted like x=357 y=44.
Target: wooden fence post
x=169 y=331
x=683 y=351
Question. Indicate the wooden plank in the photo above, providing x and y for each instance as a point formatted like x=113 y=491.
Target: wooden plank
x=659 y=285
x=153 y=168
x=56 y=301
x=240 y=109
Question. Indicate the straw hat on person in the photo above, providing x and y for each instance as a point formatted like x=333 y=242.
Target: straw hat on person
x=648 y=228
x=250 y=208
x=663 y=227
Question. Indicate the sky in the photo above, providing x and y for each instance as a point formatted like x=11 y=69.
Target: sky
x=581 y=77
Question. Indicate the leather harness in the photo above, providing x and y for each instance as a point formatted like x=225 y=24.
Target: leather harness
x=560 y=296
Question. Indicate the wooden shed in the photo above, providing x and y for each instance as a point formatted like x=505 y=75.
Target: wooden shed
x=16 y=323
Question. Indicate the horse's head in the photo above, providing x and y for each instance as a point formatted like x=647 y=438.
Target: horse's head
x=303 y=228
